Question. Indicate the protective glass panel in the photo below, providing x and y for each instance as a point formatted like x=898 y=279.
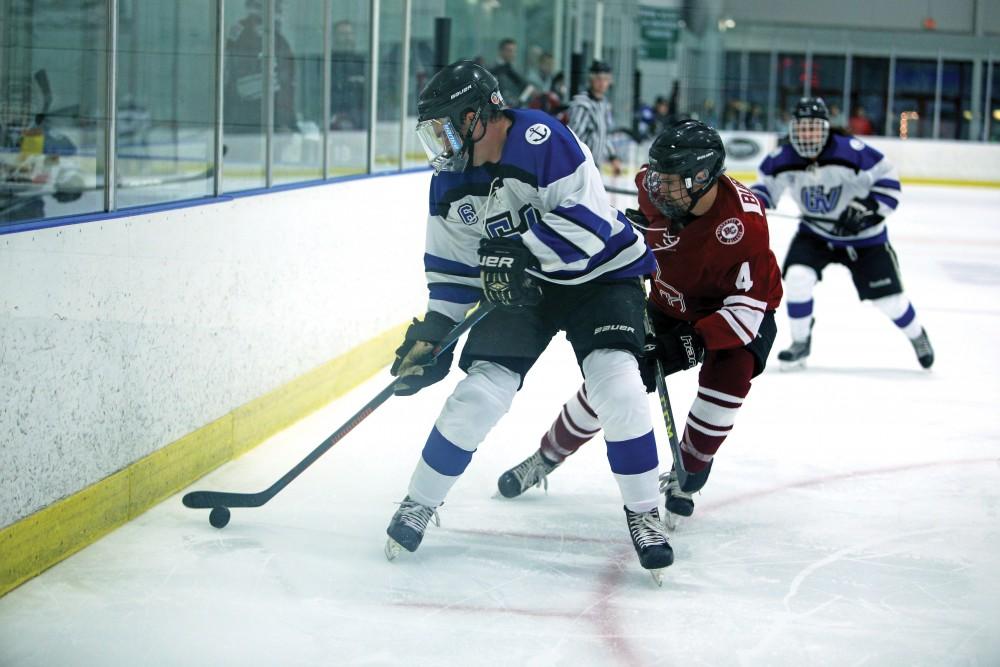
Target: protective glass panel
x=52 y=109
x=165 y=100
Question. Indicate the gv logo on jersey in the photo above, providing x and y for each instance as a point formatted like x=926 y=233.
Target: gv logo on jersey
x=467 y=212
x=816 y=199
x=537 y=134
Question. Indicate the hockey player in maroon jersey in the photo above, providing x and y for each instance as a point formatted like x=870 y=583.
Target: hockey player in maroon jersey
x=713 y=297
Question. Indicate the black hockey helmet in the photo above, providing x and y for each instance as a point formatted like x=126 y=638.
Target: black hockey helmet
x=810 y=127
x=457 y=89
x=693 y=154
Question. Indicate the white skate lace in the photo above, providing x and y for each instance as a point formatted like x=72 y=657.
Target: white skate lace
x=416 y=516
x=922 y=345
x=670 y=486
x=646 y=529
x=532 y=472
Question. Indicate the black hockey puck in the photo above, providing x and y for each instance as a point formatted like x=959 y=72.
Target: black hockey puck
x=219 y=517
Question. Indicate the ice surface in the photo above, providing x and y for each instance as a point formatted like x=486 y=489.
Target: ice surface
x=853 y=517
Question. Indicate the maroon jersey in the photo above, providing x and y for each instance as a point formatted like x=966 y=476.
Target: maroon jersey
x=718 y=271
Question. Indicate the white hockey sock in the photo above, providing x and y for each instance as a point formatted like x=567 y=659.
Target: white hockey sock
x=799 y=283
x=899 y=309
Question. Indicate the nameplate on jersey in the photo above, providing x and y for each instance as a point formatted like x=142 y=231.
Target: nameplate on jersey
x=748 y=200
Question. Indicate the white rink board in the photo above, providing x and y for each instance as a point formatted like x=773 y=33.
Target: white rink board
x=852 y=518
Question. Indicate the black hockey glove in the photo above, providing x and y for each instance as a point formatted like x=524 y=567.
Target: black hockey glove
x=503 y=262
x=677 y=348
x=859 y=215
x=638 y=219
x=413 y=365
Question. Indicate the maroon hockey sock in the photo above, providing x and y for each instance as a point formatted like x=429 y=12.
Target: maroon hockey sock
x=576 y=424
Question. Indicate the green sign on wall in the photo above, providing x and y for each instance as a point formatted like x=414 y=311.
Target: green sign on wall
x=658 y=32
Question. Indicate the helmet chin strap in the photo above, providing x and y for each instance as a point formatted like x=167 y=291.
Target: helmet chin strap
x=468 y=143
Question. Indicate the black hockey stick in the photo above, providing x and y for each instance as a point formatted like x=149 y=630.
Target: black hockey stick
x=668 y=415
x=621 y=191
x=221 y=501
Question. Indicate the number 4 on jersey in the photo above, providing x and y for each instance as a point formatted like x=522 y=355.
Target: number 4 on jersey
x=743 y=280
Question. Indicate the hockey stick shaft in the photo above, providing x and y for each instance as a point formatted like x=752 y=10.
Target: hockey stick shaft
x=668 y=414
x=211 y=499
x=771 y=213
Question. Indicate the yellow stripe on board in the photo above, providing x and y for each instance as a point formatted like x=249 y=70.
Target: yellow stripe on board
x=37 y=542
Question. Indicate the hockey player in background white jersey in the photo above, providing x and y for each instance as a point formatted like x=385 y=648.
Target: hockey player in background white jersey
x=517 y=194
x=844 y=189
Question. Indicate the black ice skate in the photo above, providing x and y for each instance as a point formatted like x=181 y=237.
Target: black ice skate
x=649 y=538
x=795 y=356
x=679 y=503
x=922 y=346
x=533 y=471
x=407 y=527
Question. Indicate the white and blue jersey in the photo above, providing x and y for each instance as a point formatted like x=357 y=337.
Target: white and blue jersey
x=547 y=189
x=846 y=169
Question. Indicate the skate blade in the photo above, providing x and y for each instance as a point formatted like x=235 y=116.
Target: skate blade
x=671 y=521
x=392 y=549
x=657 y=576
x=792 y=366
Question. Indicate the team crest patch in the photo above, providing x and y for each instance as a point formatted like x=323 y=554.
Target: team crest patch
x=729 y=232
x=468 y=214
x=538 y=133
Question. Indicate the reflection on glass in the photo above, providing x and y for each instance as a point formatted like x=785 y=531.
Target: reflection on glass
x=869 y=87
x=348 y=149
x=758 y=82
x=915 y=82
x=52 y=109
x=956 y=100
x=828 y=83
x=166 y=101
x=390 y=71
x=298 y=97
x=244 y=109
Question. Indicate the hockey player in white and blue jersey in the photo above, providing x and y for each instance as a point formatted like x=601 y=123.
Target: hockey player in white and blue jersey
x=844 y=189
x=519 y=216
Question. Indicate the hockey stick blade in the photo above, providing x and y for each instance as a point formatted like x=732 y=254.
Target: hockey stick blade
x=214 y=499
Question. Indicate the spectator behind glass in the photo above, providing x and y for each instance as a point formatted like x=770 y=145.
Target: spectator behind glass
x=244 y=80
x=347 y=79
x=837 y=118
x=859 y=122
x=513 y=87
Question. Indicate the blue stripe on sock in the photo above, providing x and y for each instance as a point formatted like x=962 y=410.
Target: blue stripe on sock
x=444 y=456
x=907 y=317
x=631 y=457
x=800 y=309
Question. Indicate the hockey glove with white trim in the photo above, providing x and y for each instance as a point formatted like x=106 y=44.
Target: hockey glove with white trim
x=413 y=365
x=859 y=215
x=677 y=348
x=503 y=263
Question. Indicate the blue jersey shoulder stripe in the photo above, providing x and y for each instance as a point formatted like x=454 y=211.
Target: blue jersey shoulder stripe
x=551 y=158
x=454 y=293
x=451 y=267
x=887 y=183
x=786 y=160
x=568 y=251
x=618 y=244
x=843 y=150
x=891 y=202
x=586 y=219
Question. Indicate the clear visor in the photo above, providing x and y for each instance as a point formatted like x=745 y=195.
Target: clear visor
x=809 y=135
x=671 y=194
x=441 y=142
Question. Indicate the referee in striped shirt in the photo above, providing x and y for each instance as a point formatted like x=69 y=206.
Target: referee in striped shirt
x=590 y=117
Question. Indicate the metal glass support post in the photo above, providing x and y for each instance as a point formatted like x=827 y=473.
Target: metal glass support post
x=987 y=96
x=848 y=67
x=890 y=93
x=744 y=88
x=269 y=96
x=372 y=83
x=599 y=30
x=772 y=95
x=110 y=126
x=404 y=88
x=327 y=75
x=220 y=45
x=936 y=128
x=808 y=75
